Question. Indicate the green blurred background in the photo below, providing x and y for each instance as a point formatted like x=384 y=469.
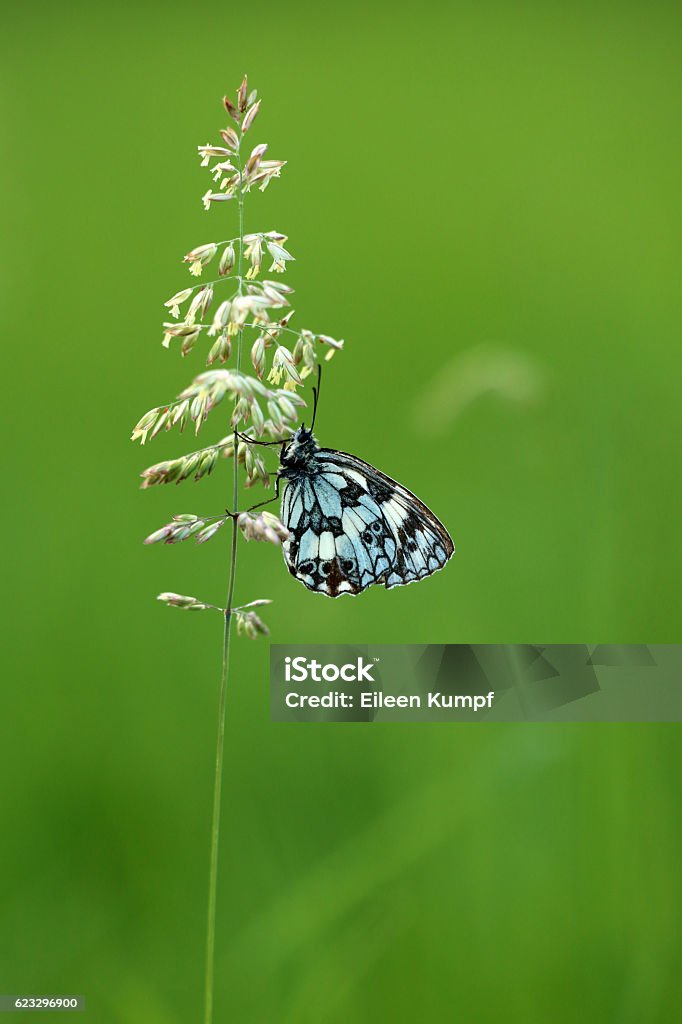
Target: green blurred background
x=484 y=201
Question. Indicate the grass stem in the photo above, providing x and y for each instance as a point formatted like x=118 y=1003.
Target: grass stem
x=222 y=699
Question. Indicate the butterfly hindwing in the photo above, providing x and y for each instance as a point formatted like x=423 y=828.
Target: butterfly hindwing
x=352 y=526
x=422 y=544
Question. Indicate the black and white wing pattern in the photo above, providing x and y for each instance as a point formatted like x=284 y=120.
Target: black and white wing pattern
x=351 y=526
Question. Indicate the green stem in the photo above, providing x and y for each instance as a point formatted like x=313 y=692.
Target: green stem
x=222 y=700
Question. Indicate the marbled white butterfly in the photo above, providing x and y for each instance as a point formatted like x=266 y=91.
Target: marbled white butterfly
x=350 y=526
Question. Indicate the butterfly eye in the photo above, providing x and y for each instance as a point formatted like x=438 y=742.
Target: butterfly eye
x=377 y=527
x=347 y=564
x=326 y=567
x=367 y=537
x=307 y=567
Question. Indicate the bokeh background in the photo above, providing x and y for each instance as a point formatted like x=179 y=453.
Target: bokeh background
x=484 y=201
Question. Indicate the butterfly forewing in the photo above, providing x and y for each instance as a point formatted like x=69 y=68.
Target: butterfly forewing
x=351 y=526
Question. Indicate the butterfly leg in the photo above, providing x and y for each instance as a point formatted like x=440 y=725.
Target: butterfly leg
x=262 y=444
x=260 y=504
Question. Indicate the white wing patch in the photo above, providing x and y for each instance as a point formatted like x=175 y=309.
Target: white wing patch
x=351 y=526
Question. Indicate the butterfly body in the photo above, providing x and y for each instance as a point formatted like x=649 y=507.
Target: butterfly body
x=351 y=526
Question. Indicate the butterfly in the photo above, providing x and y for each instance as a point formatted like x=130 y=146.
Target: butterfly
x=351 y=526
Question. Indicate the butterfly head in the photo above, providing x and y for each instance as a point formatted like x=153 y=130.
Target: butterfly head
x=298 y=452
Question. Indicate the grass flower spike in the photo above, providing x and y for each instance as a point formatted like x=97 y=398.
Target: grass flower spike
x=228 y=315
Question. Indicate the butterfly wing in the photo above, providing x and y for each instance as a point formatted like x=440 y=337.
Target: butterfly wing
x=352 y=526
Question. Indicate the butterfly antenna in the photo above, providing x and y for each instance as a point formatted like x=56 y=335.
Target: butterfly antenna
x=316 y=394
